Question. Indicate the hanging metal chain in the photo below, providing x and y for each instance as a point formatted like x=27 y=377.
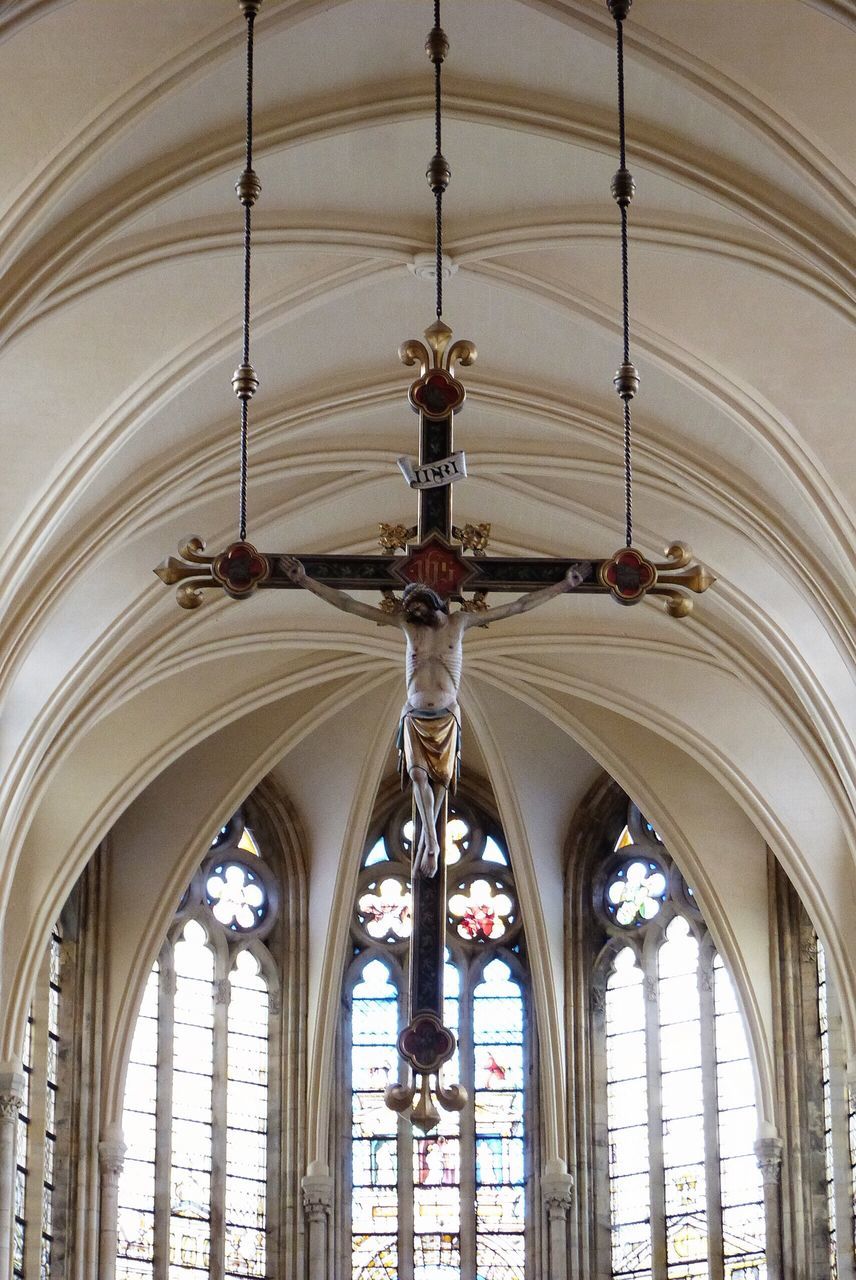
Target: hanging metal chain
x=438 y=172
x=626 y=380
x=244 y=380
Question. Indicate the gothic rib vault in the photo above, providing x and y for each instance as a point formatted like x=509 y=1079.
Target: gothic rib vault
x=118 y=335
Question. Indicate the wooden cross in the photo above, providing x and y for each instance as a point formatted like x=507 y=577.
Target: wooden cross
x=434 y=554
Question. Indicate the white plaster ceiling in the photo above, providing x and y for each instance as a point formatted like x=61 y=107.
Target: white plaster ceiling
x=119 y=332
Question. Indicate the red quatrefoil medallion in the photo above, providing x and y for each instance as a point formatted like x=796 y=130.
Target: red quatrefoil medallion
x=240 y=568
x=628 y=575
x=426 y=1043
x=437 y=394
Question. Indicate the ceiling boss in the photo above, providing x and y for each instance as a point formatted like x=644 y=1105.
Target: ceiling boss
x=434 y=561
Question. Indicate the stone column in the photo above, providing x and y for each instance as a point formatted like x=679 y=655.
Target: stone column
x=318 y=1206
x=111 y=1158
x=557 y=1196
x=768 y=1152
x=12 y=1084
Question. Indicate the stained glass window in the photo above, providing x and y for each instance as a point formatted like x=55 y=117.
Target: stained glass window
x=451 y=1203
x=39 y=1206
x=829 y=1161
x=684 y=1183
x=851 y=1130
x=135 y=1240
x=838 y=1119
x=51 y=1090
x=194 y=1187
x=21 y=1166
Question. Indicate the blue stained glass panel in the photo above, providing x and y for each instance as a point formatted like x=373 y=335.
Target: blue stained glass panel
x=374 y=1162
x=377 y=853
x=500 y=1157
x=498 y=1019
x=374 y=1022
x=499 y=1160
x=374 y=1203
x=493 y=853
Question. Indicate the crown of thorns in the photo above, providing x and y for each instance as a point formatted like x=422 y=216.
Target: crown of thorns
x=423 y=591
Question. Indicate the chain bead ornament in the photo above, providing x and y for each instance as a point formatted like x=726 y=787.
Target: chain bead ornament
x=438 y=172
x=245 y=382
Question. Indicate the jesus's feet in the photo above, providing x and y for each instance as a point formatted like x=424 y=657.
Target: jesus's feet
x=427 y=854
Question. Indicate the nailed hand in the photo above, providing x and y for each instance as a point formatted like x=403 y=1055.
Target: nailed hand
x=577 y=573
x=294 y=569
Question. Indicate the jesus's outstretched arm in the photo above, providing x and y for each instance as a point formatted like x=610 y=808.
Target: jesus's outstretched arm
x=340 y=599
x=575 y=575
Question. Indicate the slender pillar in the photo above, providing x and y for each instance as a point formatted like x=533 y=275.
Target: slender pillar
x=12 y=1085
x=768 y=1152
x=318 y=1206
x=557 y=1193
x=111 y=1159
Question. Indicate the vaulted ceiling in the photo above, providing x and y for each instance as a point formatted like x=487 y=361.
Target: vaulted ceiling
x=120 y=329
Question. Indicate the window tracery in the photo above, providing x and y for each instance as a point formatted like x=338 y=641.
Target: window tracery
x=199 y=1126
x=675 y=1101
x=453 y=1202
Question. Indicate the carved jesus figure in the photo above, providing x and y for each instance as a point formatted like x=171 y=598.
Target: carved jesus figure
x=430 y=727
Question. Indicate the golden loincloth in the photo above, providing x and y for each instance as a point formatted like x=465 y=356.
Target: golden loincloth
x=430 y=741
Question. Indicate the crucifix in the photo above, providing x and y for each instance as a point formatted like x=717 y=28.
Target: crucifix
x=434 y=562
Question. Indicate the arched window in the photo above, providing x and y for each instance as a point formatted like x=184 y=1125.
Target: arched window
x=452 y=1203
x=201 y=1119
x=681 y=1194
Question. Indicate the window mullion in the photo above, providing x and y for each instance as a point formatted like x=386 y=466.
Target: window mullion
x=711 y=1117
x=466 y=1057
x=217 y=1264
x=163 y=1115
x=655 y=1121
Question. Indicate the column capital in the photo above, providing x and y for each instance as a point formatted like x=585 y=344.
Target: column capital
x=13 y=1083
x=557 y=1194
x=111 y=1151
x=317 y=1196
x=768 y=1153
